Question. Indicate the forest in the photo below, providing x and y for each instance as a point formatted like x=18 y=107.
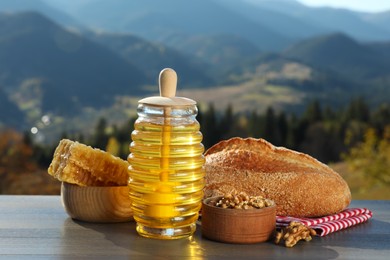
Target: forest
x=356 y=135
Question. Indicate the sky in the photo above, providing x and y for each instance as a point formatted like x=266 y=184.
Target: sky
x=356 y=5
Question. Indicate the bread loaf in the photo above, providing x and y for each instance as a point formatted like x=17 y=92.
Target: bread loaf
x=300 y=185
x=83 y=165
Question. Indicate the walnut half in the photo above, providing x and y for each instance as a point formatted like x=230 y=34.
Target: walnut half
x=293 y=233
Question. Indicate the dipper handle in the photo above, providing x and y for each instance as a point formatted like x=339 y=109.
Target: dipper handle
x=168 y=83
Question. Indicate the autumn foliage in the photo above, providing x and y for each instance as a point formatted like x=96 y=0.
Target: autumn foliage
x=19 y=172
x=371 y=157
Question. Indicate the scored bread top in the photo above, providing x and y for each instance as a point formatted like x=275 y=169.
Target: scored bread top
x=300 y=185
x=76 y=163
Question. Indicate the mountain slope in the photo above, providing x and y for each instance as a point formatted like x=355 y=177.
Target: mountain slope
x=158 y=20
x=283 y=23
x=330 y=19
x=218 y=50
x=381 y=19
x=15 y=6
x=10 y=114
x=342 y=54
x=279 y=21
x=383 y=48
x=153 y=57
x=73 y=71
x=276 y=81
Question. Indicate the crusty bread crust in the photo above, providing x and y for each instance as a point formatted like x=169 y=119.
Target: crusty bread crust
x=83 y=165
x=300 y=185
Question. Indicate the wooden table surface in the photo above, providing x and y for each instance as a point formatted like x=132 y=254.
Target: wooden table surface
x=38 y=227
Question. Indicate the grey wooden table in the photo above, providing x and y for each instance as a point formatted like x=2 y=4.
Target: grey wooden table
x=38 y=227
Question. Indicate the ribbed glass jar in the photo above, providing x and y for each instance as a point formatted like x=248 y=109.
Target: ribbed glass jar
x=166 y=171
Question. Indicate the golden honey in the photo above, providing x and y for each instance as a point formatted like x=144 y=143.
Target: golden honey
x=166 y=171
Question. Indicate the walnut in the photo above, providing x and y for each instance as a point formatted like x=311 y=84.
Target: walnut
x=293 y=233
x=241 y=201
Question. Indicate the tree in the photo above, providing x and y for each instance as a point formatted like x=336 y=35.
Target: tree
x=270 y=133
x=381 y=118
x=358 y=110
x=282 y=126
x=113 y=146
x=123 y=136
x=329 y=114
x=255 y=128
x=209 y=127
x=227 y=123
x=15 y=156
x=321 y=142
x=372 y=157
x=100 y=137
x=313 y=112
x=291 y=140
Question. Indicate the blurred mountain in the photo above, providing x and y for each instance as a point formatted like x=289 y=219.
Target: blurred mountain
x=217 y=50
x=381 y=19
x=160 y=20
x=268 y=24
x=293 y=27
x=383 y=48
x=67 y=70
x=152 y=57
x=342 y=54
x=332 y=19
x=285 y=84
x=280 y=70
x=14 y=6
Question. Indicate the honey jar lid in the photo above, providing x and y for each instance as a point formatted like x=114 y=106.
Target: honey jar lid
x=167 y=86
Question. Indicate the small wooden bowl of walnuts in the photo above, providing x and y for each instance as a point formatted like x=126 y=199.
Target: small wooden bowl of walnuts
x=238 y=218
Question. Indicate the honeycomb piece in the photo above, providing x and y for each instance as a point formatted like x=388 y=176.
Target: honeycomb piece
x=83 y=165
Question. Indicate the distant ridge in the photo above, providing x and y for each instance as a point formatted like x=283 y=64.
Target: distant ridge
x=46 y=9
x=340 y=53
x=153 y=57
x=73 y=70
x=158 y=20
x=361 y=26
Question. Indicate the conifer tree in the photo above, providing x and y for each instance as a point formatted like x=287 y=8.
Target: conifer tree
x=380 y=118
x=209 y=127
x=282 y=127
x=270 y=133
x=100 y=137
x=255 y=128
x=358 y=110
x=227 y=123
x=313 y=112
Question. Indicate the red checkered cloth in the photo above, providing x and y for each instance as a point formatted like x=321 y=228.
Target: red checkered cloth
x=329 y=224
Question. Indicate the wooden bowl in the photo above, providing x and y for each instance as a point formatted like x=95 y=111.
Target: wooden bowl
x=97 y=204
x=241 y=226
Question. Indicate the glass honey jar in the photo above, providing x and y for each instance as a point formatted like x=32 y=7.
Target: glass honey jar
x=166 y=173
